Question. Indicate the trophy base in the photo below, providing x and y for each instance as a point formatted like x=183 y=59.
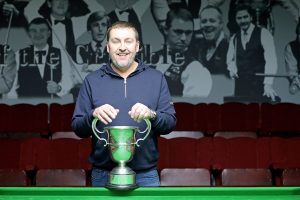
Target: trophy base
x=122 y=178
x=121 y=187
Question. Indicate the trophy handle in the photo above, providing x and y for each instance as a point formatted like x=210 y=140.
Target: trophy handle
x=147 y=131
x=96 y=131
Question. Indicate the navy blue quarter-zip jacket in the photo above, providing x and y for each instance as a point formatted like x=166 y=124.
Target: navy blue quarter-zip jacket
x=104 y=86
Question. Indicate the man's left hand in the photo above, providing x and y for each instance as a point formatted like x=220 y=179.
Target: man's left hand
x=139 y=112
x=269 y=92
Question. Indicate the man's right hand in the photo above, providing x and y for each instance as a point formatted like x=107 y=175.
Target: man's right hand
x=106 y=113
x=8 y=8
x=295 y=85
x=233 y=72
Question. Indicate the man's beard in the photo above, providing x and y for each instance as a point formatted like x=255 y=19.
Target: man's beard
x=123 y=65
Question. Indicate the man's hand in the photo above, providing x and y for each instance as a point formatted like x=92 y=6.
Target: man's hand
x=8 y=8
x=139 y=112
x=269 y=92
x=295 y=85
x=105 y=113
x=53 y=87
x=233 y=72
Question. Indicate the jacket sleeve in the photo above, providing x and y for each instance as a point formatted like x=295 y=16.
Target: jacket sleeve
x=82 y=116
x=165 y=120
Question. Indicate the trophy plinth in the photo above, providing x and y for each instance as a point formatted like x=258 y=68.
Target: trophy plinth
x=121 y=141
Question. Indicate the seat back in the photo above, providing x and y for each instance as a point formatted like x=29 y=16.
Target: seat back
x=236 y=116
x=246 y=177
x=10 y=153
x=241 y=153
x=282 y=117
x=61 y=177
x=13 y=177
x=185 y=113
x=291 y=177
x=25 y=119
x=61 y=117
x=185 y=177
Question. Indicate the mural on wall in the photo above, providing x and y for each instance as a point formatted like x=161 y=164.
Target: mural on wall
x=209 y=51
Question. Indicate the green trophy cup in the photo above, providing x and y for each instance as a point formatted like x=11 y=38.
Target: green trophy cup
x=122 y=141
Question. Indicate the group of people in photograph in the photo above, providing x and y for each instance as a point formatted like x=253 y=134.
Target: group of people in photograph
x=198 y=45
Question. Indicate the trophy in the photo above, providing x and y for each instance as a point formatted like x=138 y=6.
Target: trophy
x=121 y=141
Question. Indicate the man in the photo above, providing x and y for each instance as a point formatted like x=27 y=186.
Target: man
x=42 y=69
x=211 y=50
x=92 y=55
x=8 y=69
x=124 y=11
x=65 y=29
x=263 y=12
x=292 y=62
x=124 y=92
x=160 y=8
x=251 y=52
x=186 y=77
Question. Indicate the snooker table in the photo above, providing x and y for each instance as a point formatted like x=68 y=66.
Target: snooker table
x=174 y=193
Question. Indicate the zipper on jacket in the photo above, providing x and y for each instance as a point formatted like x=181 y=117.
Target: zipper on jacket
x=125 y=88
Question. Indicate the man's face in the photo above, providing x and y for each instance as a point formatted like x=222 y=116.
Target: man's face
x=179 y=34
x=211 y=24
x=121 y=4
x=122 y=47
x=59 y=7
x=243 y=19
x=39 y=34
x=98 y=29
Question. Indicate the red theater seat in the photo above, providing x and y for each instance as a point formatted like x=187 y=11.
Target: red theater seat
x=25 y=119
x=85 y=148
x=61 y=177
x=185 y=113
x=13 y=177
x=201 y=117
x=60 y=117
x=285 y=152
x=291 y=177
x=236 y=116
x=246 y=177
x=280 y=118
x=10 y=153
x=181 y=153
x=40 y=153
x=185 y=153
x=185 y=177
x=213 y=118
x=241 y=153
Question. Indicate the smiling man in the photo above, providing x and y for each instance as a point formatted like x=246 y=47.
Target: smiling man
x=211 y=50
x=92 y=55
x=42 y=69
x=124 y=92
x=251 y=51
x=186 y=77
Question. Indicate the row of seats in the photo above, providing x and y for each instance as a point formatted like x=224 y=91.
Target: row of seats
x=41 y=119
x=206 y=117
x=263 y=118
x=40 y=153
x=168 y=177
x=219 y=153
x=229 y=177
x=215 y=154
